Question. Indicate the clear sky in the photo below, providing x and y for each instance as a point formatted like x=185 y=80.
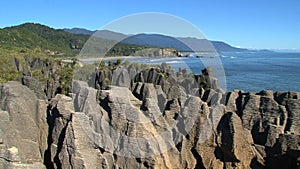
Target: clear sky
x=267 y=24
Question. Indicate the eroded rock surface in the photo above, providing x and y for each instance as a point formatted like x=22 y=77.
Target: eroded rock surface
x=146 y=120
x=229 y=130
x=23 y=126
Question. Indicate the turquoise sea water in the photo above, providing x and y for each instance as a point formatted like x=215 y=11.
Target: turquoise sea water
x=248 y=71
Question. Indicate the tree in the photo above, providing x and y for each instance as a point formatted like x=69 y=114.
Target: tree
x=102 y=65
x=118 y=62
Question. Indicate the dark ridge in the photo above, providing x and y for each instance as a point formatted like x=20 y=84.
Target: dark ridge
x=139 y=160
x=179 y=146
x=199 y=162
x=60 y=142
x=255 y=164
x=146 y=164
x=205 y=95
x=52 y=114
x=289 y=122
x=161 y=103
x=258 y=137
x=104 y=104
x=225 y=127
x=239 y=104
x=134 y=92
x=227 y=98
x=168 y=105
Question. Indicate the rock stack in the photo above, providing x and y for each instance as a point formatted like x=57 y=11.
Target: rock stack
x=149 y=119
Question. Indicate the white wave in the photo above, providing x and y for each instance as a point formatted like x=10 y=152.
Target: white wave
x=173 y=62
x=155 y=60
x=231 y=57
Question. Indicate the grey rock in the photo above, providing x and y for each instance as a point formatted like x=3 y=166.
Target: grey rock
x=120 y=77
x=293 y=120
x=37 y=86
x=77 y=86
x=285 y=153
x=272 y=134
x=70 y=147
x=234 y=142
x=161 y=98
x=23 y=126
x=267 y=93
x=103 y=79
x=258 y=113
x=250 y=113
x=208 y=95
x=1 y=137
x=231 y=101
x=194 y=127
x=12 y=154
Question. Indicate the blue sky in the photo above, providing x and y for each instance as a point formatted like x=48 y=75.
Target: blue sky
x=268 y=24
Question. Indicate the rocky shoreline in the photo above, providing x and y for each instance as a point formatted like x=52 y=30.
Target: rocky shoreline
x=204 y=126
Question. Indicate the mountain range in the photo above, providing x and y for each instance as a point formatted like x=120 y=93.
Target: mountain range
x=37 y=39
x=162 y=41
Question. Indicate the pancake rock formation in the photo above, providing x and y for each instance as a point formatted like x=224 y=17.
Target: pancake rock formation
x=149 y=119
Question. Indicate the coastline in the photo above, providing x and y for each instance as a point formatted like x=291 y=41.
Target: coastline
x=109 y=58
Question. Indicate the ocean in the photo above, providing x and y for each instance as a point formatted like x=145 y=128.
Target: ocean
x=251 y=72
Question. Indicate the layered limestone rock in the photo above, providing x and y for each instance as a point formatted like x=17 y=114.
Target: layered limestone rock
x=23 y=126
x=229 y=130
x=220 y=134
x=45 y=76
x=68 y=145
x=147 y=120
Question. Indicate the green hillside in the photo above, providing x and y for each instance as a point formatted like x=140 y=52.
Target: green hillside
x=40 y=39
x=25 y=44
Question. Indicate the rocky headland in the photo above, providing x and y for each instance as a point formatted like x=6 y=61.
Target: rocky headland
x=191 y=122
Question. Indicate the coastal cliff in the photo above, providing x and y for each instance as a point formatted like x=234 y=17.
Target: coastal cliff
x=198 y=124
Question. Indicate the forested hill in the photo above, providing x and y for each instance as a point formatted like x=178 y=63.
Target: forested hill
x=40 y=39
